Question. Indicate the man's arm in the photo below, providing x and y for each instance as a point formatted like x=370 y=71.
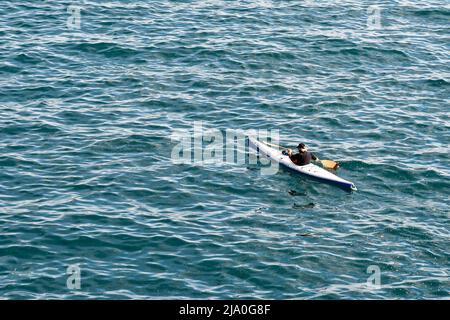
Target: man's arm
x=293 y=158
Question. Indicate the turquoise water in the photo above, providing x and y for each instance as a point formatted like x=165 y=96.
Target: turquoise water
x=87 y=179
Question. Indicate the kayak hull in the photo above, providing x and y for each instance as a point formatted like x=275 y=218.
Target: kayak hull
x=310 y=170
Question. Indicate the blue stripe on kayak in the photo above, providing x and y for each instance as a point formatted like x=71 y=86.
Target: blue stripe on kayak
x=333 y=182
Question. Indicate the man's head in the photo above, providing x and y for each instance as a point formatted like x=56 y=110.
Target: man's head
x=302 y=147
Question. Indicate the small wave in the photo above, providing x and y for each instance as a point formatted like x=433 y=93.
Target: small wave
x=107 y=49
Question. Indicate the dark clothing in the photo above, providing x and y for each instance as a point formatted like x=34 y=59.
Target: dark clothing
x=303 y=158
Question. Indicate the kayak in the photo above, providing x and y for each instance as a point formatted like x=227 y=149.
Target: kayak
x=309 y=170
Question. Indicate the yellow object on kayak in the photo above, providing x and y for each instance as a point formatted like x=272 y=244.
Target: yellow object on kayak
x=329 y=164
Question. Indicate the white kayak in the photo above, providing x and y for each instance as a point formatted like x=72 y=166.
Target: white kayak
x=309 y=170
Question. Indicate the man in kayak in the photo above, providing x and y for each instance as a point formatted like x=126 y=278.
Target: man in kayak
x=303 y=157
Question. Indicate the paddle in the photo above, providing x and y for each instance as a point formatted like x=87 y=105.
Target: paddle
x=328 y=164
